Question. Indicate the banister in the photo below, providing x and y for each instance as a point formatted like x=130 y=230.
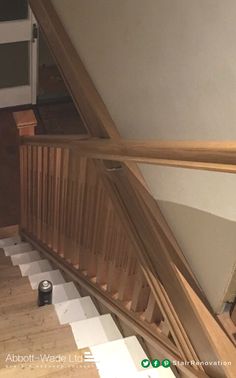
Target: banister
x=98 y=223
x=130 y=318
x=194 y=321
x=207 y=155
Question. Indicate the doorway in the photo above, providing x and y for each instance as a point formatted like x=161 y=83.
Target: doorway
x=18 y=54
x=51 y=87
x=55 y=107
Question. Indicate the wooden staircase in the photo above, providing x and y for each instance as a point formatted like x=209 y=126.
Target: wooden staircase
x=87 y=207
x=71 y=328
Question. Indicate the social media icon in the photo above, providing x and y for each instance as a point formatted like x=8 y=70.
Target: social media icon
x=145 y=363
x=166 y=363
x=156 y=363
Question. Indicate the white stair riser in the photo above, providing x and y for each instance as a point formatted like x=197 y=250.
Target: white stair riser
x=75 y=309
x=10 y=241
x=64 y=292
x=35 y=267
x=126 y=356
x=54 y=276
x=24 y=258
x=19 y=248
x=101 y=330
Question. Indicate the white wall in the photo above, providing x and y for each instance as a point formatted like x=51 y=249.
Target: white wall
x=167 y=69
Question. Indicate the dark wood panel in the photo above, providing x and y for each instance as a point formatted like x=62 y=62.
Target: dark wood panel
x=9 y=170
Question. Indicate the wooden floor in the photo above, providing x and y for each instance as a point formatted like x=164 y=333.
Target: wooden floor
x=33 y=332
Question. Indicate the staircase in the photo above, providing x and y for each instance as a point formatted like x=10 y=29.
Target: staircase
x=90 y=344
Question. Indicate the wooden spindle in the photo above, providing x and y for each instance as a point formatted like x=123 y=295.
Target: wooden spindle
x=45 y=194
x=39 y=191
x=57 y=189
x=141 y=293
x=152 y=313
x=64 y=169
x=78 y=231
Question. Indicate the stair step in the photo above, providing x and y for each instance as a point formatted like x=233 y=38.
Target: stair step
x=24 y=258
x=64 y=292
x=14 y=286
x=19 y=248
x=10 y=241
x=101 y=330
x=4 y=260
x=76 y=309
x=22 y=304
x=35 y=267
x=15 y=294
x=55 y=341
x=54 y=276
x=126 y=356
x=28 y=321
x=9 y=272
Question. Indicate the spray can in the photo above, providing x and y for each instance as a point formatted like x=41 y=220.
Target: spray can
x=44 y=293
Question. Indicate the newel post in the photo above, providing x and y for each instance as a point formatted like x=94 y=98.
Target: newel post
x=25 y=122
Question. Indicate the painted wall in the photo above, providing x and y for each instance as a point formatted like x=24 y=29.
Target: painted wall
x=167 y=69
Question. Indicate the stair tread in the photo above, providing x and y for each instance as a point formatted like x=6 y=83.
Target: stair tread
x=15 y=293
x=19 y=291
x=27 y=322
x=10 y=272
x=19 y=303
x=58 y=340
x=4 y=260
x=13 y=284
x=9 y=231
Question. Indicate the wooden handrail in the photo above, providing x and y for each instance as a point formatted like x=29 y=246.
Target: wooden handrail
x=53 y=140
x=206 y=155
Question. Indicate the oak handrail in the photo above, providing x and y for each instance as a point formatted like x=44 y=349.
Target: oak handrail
x=207 y=155
x=53 y=140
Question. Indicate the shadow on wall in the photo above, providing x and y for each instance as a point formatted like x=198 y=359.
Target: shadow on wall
x=209 y=245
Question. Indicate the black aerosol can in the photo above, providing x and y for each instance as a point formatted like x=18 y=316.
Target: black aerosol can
x=44 y=293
